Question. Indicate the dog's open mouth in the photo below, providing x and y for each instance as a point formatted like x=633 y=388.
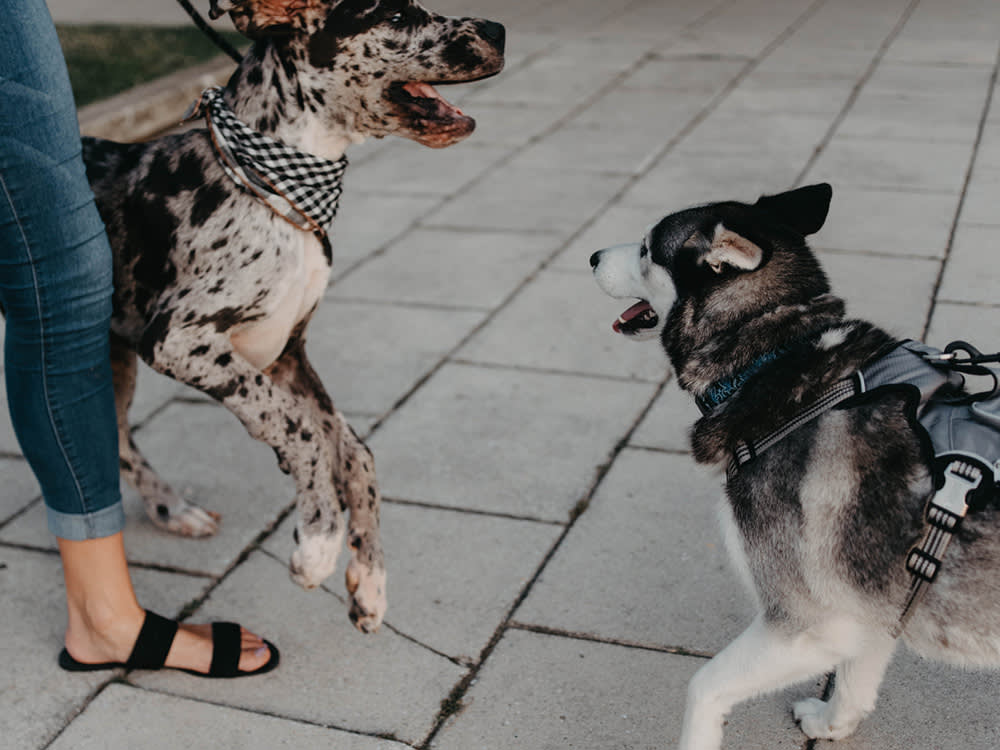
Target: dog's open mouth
x=638 y=318
x=432 y=119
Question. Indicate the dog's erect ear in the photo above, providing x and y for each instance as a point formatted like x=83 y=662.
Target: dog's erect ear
x=732 y=249
x=804 y=209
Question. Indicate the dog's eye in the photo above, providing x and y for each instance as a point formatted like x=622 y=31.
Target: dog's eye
x=397 y=19
x=643 y=251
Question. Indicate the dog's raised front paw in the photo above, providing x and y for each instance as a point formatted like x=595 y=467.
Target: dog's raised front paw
x=368 y=596
x=184 y=518
x=816 y=722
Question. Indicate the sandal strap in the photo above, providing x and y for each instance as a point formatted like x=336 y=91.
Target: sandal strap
x=226 y=649
x=153 y=644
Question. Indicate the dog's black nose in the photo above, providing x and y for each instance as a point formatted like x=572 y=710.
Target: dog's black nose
x=595 y=259
x=493 y=32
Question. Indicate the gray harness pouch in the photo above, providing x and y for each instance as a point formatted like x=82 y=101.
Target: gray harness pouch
x=957 y=425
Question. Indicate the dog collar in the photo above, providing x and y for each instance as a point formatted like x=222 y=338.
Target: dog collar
x=721 y=390
x=301 y=188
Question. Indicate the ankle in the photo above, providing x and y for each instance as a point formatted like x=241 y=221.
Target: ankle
x=102 y=629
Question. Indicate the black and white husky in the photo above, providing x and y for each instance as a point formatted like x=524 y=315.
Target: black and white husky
x=823 y=521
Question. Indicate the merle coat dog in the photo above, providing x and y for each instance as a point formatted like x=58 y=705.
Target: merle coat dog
x=214 y=289
x=821 y=523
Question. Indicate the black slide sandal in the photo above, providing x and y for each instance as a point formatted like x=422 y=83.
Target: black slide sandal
x=153 y=644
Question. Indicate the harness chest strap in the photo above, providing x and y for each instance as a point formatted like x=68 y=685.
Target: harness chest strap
x=904 y=364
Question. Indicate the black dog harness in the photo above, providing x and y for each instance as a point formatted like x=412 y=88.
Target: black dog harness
x=961 y=430
x=301 y=188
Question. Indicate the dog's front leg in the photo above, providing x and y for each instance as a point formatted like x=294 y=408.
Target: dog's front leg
x=204 y=358
x=354 y=479
x=855 y=691
x=365 y=575
x=760 y=660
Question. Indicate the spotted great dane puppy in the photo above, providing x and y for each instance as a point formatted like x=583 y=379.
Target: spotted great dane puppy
x=214 y=286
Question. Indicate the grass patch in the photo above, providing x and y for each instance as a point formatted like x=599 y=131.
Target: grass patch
x=104 y=60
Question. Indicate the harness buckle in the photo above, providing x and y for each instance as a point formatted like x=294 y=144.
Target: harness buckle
x=950 y=504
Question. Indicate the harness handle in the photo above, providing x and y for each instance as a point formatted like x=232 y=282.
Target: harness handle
x=971 y=364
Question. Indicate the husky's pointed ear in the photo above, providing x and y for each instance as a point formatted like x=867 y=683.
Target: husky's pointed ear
x=730 y=248
x=804 y=209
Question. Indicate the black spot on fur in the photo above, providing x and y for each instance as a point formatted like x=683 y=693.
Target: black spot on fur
x=156 y=331
x=190 y=173
x=255 y=76
x=222 y=391
x=207 y=199
x=349 y=18
x=200 y=351
x=224 y=359
x=162 y=511
x=226 y=318
x=150 y=233
x=461 y=55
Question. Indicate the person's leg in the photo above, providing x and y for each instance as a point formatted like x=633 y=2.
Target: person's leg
x=55 y=287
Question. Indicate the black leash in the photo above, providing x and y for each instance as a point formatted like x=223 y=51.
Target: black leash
x=211 y=33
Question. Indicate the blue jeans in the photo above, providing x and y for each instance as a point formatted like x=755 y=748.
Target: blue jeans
x=55 y=285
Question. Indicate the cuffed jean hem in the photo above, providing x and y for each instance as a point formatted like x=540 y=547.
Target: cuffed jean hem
x=79 y=528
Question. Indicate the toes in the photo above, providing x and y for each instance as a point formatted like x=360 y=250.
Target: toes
x=254 y=657
x=314 y=560
x=808 y=707
x=368 y=596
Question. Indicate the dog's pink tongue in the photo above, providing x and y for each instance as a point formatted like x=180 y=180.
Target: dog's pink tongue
x=633 y=312
x=419 y=90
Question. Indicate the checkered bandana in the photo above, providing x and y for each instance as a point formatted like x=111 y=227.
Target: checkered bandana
x=301 y=188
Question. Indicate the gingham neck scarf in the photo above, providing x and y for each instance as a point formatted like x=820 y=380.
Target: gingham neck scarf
x=301 y=188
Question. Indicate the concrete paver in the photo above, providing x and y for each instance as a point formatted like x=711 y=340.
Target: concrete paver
x=473 y=438
x=441 y=595
x=658 y=574
x=330 y=674
x=122 y=716
x=555 y=570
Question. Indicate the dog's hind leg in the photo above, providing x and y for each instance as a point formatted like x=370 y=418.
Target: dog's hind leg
x=165 y=508
x=854 y=693
x=762 y=659
x=355 y=483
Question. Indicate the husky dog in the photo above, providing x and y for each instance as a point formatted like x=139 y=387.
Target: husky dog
x=823 y=520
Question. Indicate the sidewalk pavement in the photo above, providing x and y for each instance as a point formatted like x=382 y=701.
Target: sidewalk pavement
x=556 y=574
